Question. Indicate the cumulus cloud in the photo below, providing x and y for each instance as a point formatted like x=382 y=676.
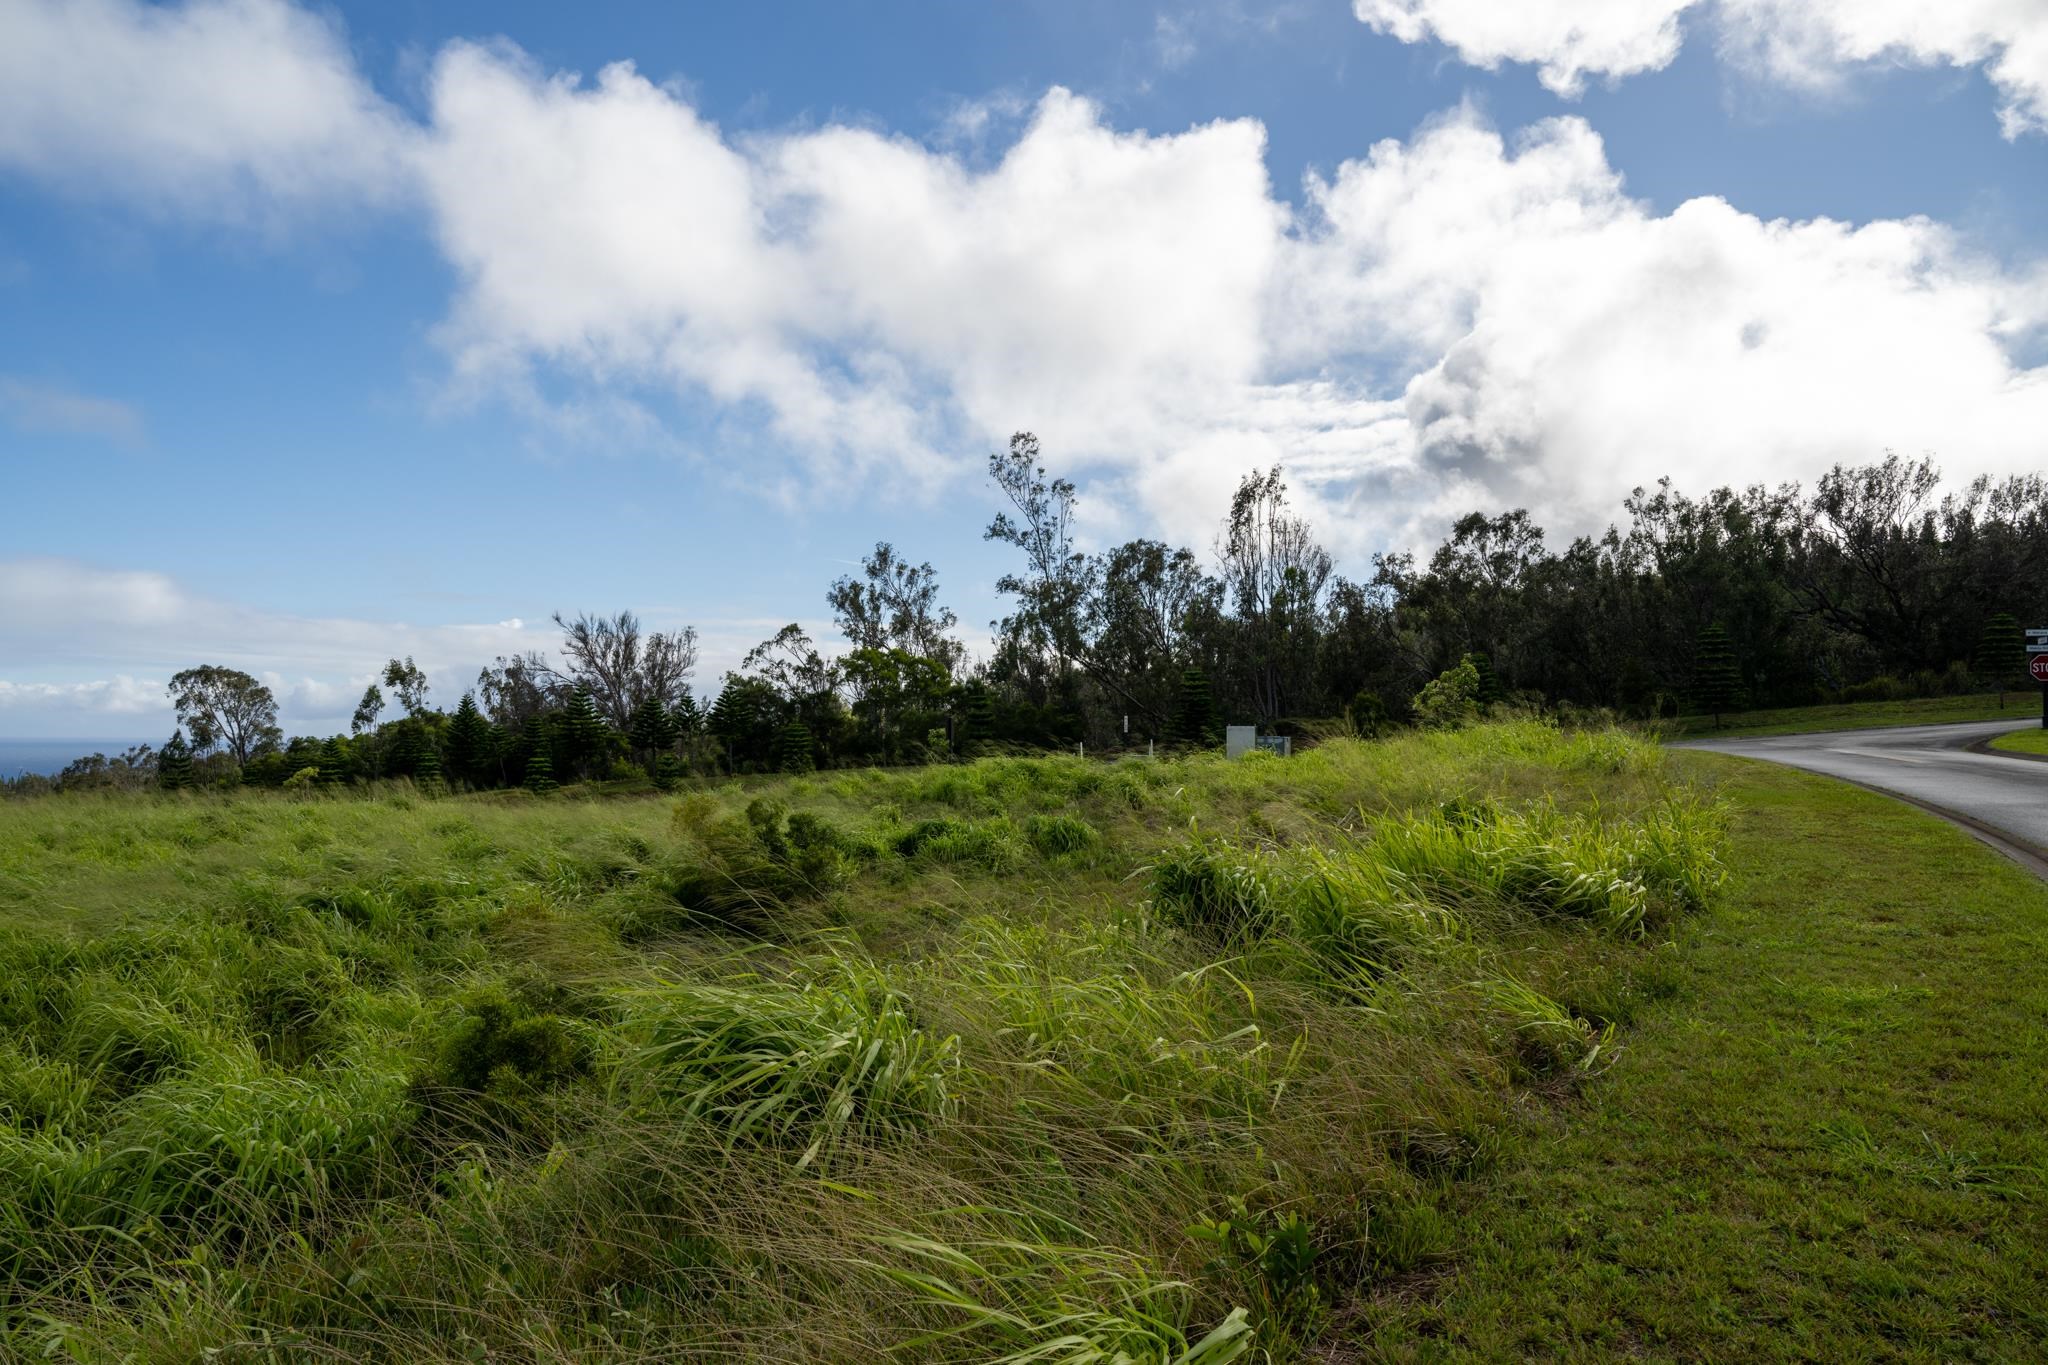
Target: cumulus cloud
x=1813 y=44
x=1453 y=319
x=1567 y=39
x=1457 y=319
x=236 y=109
x=1585 y=343
x=38 y=409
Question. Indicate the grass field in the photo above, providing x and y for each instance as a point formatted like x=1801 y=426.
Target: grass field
x=1831 y=1144
x=1442 y=1046
x=2033 y=741
x=1859 y=715
x=1024 y=1059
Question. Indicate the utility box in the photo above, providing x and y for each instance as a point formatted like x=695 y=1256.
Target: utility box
x=1239 y=740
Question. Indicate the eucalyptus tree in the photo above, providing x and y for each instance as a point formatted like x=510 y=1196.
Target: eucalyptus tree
x=1044 y=631
x=225 y=708
x=623 y=665
x=1275 y=574
x=896 y=607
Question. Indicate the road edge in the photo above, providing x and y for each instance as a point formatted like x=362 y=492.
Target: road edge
x=2031 y=856
x=1983 y=746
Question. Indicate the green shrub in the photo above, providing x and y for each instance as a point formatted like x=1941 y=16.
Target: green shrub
x=499 y=1042
x=991 y=845
x=1054 y=835
x=912 y=840
x=1212 y=886
x=1449 y=699
x=751 y=865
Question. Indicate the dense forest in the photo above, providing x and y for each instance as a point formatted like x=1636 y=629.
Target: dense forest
x=1875 y=584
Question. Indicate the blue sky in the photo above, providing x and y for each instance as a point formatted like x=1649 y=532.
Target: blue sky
x=376 y=328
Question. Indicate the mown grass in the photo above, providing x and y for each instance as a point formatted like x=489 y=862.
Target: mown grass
x=2030 y=741
x=1016 y=1060
x=1830 y=1144
x=1864 y=715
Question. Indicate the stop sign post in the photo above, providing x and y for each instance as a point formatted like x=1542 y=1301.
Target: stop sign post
x=2037 y=666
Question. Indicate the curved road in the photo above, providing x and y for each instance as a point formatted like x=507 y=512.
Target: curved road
x=2002 y=800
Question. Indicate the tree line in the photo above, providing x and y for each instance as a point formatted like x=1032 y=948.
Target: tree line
x=1873 y=584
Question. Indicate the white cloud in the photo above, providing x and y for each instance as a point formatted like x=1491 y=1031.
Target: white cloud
x=121 y=695
x=133 y=629
x=1452 y=320
x=1585 y=343
x=140 y=623
x=223 y=109
x=1567 y=39
x=1812 y=44
x=50 y=409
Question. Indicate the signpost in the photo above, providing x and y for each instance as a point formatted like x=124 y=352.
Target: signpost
x=2037 y=665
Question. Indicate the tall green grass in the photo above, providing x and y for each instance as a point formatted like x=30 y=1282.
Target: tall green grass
x=1026 y=1060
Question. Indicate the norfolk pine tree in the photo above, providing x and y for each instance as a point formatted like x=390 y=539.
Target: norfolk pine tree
x=469 y=741
x=2001 y=654
x=174 y=763
x=1715 y=679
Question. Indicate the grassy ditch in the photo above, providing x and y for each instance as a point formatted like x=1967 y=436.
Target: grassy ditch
x=1016 y=1060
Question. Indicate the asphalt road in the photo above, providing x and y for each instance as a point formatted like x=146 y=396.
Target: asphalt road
x=1930 y=765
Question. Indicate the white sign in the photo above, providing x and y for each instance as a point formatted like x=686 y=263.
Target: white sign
x=2037 y=634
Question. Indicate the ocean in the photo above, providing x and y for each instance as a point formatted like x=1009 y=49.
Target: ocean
x=49 y=756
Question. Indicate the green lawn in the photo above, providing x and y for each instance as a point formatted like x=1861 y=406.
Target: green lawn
x=1831 y=1145
x=1859 y=715
x=2023 y=742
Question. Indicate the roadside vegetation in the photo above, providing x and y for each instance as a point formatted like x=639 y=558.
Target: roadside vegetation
x=2012 y=706
x=1830 y=1144
x=1020 y=1059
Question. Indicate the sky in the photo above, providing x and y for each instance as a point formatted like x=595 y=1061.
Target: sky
x=331 y=334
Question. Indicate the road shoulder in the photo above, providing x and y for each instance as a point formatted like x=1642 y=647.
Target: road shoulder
x=1832 y=1144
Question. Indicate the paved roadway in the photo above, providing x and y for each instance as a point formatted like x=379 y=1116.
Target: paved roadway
x=1930 y=765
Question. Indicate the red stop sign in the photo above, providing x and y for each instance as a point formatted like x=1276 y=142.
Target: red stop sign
x=2037 y=668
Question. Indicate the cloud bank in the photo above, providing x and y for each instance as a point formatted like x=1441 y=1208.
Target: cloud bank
x=1461 y=318
x=133 y=629
x=1809 y=44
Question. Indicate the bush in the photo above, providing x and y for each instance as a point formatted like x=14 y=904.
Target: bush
x=991 y=845
x=1449 y=699
x=759 y=861
x=500 y=1043
x=1211 y=886
x=1054 y=835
